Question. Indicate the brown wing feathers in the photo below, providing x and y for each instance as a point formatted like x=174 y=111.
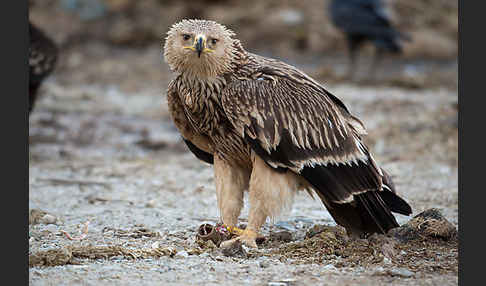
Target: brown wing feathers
x=296 y=125
x=295 y=128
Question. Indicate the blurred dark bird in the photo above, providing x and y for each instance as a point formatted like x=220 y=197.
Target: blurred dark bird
x=362 y=21
x=42 y=59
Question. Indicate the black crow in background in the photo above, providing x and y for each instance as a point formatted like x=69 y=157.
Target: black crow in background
x=365 y=20
x=42 y=59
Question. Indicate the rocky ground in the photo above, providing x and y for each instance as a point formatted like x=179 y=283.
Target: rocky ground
x=115 y=198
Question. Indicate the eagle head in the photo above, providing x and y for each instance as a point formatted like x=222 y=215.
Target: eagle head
x=201 y=48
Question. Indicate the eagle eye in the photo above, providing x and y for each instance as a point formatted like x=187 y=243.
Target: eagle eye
x=186 y=37
x=214 y=41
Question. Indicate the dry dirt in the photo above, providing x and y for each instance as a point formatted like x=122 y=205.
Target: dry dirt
x=115 y=198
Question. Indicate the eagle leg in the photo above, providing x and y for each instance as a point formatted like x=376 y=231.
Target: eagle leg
x=233 y=229
x=231 y=182
x=248 y=237
x=270 y=193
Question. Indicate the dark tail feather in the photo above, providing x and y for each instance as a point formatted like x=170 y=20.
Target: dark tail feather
x=368 y=212
x=375 y=208
x=393 y=201
x=366 y=215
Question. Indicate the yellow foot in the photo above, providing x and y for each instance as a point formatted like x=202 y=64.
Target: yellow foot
x=234 y=229
x=247 y=237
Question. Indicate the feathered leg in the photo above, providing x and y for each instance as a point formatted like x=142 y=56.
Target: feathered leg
x=231 y=182
x=270 y=193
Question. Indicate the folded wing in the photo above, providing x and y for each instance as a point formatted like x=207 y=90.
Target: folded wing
x=294 y=124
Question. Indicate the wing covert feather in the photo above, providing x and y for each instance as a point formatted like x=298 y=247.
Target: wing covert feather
x=296 y=124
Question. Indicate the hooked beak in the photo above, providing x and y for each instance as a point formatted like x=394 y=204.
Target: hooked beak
x=199 y=44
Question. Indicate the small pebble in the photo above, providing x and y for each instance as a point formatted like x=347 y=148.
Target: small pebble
x=117 y=258
x=285 y=225
x=263 y=264
x=181 y=254
x=304 y=220
x=150 y=204
x=284 y=236
x=277 y=284
x=235 y=249
x=50 y=228
x=48 y=219
x=379 y=270
x=401 y=272
x=328 y=267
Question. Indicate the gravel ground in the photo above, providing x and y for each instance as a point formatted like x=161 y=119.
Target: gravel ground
x=103 y=150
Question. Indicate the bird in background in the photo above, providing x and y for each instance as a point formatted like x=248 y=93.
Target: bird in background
x=270 y=129
x=366 y=21
x=42 y=59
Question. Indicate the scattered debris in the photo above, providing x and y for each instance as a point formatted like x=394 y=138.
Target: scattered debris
x=181 y=254
x=318 y=229
x=37 y=216
x=94 y=199
x=281 y=236
x=385 y=244
x=235 y=249
x=83 y=235
x=216 y=234
x=428 y=224
x=430 y=246
x=52 y=257
x=67 y=255
x=138 y=232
